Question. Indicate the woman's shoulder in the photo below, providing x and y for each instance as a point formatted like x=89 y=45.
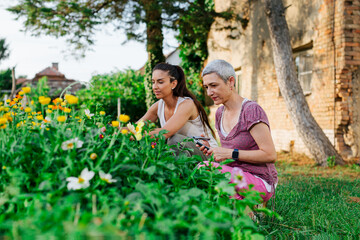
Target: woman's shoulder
x=155 y=106
x=219 y=110
x=250 y=106
x=186 y=102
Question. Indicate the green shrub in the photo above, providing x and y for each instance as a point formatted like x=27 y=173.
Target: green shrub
x=155 y=194
x=107 y=88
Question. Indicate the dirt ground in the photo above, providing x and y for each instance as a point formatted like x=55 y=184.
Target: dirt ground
x=300 y=164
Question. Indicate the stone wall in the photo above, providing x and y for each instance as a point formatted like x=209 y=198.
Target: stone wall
x=330 y=31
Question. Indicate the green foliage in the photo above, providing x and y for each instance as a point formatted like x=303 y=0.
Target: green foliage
x=42 y=89
x=331 y=161
x=4 y=50
x=194 y=27
x=155 y=194
x=5 y=79
x=106 y=89
x=315 y=203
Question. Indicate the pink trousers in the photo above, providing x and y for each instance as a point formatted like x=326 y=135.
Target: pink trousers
x=250 y=179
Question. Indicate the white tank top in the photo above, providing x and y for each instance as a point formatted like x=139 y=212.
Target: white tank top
x=191 y=127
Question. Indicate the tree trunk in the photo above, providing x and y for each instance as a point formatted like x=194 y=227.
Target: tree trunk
x=309 y=130
x=154 y=44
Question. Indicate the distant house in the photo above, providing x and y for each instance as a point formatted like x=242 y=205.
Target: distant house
x=172 y=58
x=56 y=80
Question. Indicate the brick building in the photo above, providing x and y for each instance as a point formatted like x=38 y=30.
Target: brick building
x=56 y=80
x=325 y=37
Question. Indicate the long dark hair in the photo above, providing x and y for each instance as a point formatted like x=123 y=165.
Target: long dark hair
x=176 y=73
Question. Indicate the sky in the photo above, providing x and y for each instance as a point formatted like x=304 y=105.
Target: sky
x=31 y=55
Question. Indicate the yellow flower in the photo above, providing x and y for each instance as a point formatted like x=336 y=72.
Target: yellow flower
x=30 y=117
x=32 y=102
x=8 y=101
x=44 y=100
x=67 y=110
x=48 y=111
x=3 y=126
x=15 y=100
x=3 y=120
x=79 y=120
x=61 y=118
x=71 y=99
x=40 y=117
x=115 y=123
x=138 y=136
x=93 y=156
x=27 y=110
x=63 y=104
x=3 y=167
x=124 y=131
x=21 y=93
x=26 y=89
x=102 y=113
x=124 y=118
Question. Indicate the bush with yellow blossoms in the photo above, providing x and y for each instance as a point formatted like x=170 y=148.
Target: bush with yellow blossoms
x=66 y=171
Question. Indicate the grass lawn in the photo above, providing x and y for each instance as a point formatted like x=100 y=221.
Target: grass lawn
x=315 y=202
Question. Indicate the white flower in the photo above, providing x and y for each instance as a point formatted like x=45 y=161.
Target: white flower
x=81 y=182
x=70 y=144
x=238 y=177
x=47 y=119
x=88 y=114
x=131 y=128
x=106 y=177
x=136 y=131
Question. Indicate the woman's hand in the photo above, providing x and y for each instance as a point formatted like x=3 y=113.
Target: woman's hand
x=220 y=154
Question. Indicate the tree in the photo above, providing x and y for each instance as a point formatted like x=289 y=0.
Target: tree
x=5 y=75
x=307 y=127
x=5 y=79
x=4 y=49
x=79 y=19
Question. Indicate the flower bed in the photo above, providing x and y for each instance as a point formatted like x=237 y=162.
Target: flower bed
x=67 y=172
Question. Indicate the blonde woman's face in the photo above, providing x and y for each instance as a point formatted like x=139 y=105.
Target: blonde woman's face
x=161 y=84
x=216 y=88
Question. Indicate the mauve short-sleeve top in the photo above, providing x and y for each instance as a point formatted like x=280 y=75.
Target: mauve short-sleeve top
x=240 y=138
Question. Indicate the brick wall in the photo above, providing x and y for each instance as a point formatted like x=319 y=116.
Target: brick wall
x=333 y=29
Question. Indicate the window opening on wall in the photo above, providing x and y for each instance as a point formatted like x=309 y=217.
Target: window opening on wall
x=304 y=68
x=303 y=58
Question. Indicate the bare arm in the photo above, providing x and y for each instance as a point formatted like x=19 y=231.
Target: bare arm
x=178 y=120
x=266 y=153
x=151 y=114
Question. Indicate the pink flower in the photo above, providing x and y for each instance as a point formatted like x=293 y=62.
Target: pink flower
x=103 y=129
x=153 y=144
x=238 y=177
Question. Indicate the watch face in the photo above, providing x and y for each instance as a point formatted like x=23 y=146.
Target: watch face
x=235 y=154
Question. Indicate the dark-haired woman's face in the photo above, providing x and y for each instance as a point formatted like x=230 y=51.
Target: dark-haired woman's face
x=161 y=84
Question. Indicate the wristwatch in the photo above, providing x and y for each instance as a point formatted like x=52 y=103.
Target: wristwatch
x=235 y=154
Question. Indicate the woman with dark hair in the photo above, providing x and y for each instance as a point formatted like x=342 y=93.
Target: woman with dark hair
x=177 y=109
